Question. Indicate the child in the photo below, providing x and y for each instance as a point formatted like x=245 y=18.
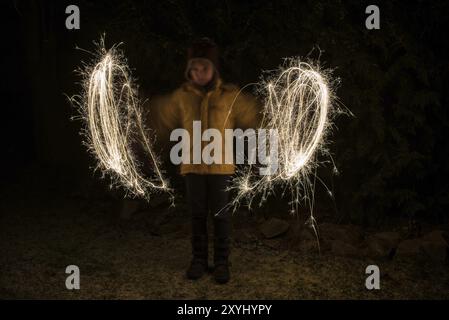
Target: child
x=204 y=97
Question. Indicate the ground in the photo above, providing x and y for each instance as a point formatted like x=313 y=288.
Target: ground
x=44 y=229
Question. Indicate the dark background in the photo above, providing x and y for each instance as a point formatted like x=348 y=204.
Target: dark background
x=392 y=156
x=391 y=198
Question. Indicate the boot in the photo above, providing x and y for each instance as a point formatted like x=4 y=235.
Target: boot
x=221 y=261
x=198 y=265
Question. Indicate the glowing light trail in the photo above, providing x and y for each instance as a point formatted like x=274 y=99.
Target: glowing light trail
x=111 y=112
x=297 y=104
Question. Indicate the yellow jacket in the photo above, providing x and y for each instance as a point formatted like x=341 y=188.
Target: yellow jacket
x=222 y=107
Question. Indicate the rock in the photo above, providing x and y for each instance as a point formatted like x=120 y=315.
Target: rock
x=407 y=249
x=309 y=246
x=437 y=236
x=435 y=246
x=341 y=248
x=434 y=251
x=347 y=233
x=260 y=220
x=274 y=227
x=301 y=238
x=296 y=236
x=382 y=244
x=299 y=231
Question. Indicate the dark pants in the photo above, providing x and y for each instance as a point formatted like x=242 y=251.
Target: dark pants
x=206 y=194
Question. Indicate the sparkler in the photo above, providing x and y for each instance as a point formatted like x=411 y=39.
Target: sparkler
x=111 y=112
x=298 y=104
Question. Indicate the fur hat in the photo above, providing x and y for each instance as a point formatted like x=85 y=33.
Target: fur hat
x=203 y=48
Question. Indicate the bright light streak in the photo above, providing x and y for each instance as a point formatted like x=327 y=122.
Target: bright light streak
x=298 y=103
x=111 y=112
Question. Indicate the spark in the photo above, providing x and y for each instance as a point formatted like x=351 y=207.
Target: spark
x=113 y=126
x=299 y=104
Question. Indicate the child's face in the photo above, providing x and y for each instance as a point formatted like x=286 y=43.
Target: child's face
x=201 y=71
